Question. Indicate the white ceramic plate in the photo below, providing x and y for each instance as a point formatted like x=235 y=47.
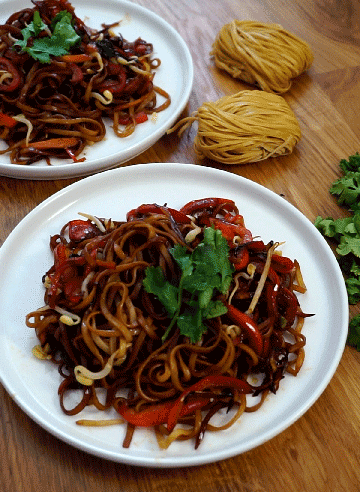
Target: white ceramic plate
x=175 y=75
x=25 y=256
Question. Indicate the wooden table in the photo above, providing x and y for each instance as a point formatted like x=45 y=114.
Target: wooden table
x=321 y=451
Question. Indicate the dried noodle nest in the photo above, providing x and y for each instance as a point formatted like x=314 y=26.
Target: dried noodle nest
x=249 y=126
x=265 y=55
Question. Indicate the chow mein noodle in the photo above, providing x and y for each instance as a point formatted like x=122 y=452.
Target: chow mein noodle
x=176 y=315
x=59 y=79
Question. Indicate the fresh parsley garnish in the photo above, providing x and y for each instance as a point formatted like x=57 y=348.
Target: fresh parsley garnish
x=345 y=232
x=57 y=41
x=205 y=271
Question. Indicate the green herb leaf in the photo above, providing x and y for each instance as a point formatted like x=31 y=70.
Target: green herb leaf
x=345 y=233
x=353 y=338
x=155 y=283
x=205 y=272
x=63 y=37
x=353 y=164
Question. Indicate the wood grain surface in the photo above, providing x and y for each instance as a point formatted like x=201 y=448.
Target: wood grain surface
x=321 y=451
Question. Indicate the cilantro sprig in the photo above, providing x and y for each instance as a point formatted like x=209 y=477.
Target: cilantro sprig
x=60 y=36
x=345 y=232
x=205 y=272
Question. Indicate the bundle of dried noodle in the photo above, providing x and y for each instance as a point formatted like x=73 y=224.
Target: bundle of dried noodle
x=262 y=54
x=249 y=126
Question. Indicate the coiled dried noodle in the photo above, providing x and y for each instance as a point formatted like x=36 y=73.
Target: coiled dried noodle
x=266 y=55
x=246 y=127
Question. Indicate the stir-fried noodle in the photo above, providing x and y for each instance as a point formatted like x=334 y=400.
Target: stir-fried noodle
x=54 y=104
x=107 y=331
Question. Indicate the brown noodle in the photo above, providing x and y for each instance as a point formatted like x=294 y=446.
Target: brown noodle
x=104 y=331
x=59 y=107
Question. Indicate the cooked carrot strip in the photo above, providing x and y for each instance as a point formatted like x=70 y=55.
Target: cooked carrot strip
x=54 y=143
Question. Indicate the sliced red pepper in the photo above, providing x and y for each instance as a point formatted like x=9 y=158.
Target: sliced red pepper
x=282 y=264
x=79 y=230
x=266 y=347
x=229 y=230
x=7 y=121
x=153 y=208
x=272 y=275
x=141 y=117
x=16 y=78
x=73 y=156
x=114 y=86
x=248 y=326
x=257 y=246
x=241 y=260
x=288 y=302
x=213 y=381
x=56 y=277
x=72 y=290
x=159 y=413
x=61 y=254
x=234 y=219
x=203 y=203
x=77 y=74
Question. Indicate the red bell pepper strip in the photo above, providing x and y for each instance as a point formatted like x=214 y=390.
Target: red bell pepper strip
x=139 y=118
x=213 y=381
x=114 y=86
x=56 y=277
x=266 y=347
x=282 y=264
x=203 y=203
x=241 y=260
x=229 y=230
x=152 y=208
x=159 y=413
x=54 y=143
x=73 y=156
x=16 y=78
x=61 y=254
x=287 y=300
x=7 y=121
x=77 y=74
x=257 y=246
x=248 y=326
x=79 y=230
x=72 y=290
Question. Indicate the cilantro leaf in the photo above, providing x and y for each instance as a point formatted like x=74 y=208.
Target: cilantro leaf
x=205 y=272
x=353 y=338
x=347 y=189
x=190 y=325
x=353 y=164
x=345 y=233
x=155 y=283
x=63 y=37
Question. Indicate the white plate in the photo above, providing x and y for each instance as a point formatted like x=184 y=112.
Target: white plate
x=24 y=258
x=175 y=75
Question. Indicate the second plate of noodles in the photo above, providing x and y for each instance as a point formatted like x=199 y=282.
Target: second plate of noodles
x=85 y=87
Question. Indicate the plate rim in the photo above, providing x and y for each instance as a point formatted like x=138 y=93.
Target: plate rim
x=82 y=169
x=183 y=168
